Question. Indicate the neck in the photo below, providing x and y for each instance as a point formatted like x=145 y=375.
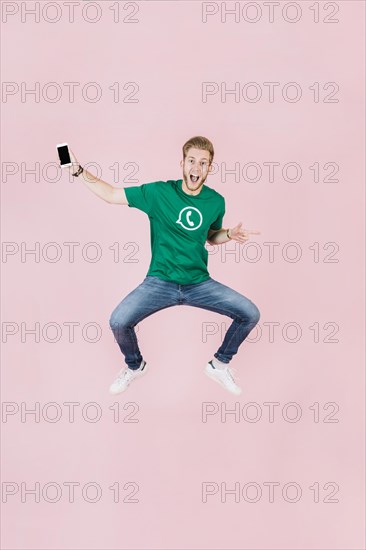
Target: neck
x=188 y=191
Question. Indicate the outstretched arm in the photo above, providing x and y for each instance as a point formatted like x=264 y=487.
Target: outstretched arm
x=113 y=195
x=236 y=234
x=102 y=189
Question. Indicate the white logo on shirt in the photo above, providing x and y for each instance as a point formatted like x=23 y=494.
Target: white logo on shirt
x=190 y=218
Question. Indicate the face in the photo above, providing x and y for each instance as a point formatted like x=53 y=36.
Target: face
x=195 y=170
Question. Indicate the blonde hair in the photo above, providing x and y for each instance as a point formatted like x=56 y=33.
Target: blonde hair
x=199 y=142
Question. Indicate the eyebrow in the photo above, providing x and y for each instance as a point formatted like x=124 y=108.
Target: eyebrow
x=203 y=158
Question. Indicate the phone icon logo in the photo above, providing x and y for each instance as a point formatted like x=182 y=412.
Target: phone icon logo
x=189 y=221
x=190 y=218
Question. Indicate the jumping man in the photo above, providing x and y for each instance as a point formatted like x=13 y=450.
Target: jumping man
x=183 y=214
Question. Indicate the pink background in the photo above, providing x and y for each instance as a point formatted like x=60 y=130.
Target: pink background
x=170 y=452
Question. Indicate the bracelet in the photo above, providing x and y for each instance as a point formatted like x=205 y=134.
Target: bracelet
x=227 y=233
x=79 y=171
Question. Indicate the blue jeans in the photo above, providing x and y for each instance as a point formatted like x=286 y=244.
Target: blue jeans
x=154 y=294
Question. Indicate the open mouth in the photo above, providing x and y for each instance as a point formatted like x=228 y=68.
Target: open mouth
x=194 y=179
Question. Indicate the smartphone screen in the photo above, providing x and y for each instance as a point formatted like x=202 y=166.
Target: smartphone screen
x=63 y=153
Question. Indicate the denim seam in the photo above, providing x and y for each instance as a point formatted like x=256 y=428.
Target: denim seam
x=229 y=342
x=236 y=330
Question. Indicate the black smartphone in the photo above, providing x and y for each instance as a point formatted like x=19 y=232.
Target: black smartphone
x=64 y=155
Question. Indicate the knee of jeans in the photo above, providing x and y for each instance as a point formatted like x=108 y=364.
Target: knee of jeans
x=119 y=321
x=114 y=323
x=254 y=314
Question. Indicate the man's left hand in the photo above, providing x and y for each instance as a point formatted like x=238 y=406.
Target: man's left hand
x=241 y=235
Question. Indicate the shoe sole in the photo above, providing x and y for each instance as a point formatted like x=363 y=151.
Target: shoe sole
x=209 y=373
x=125 y=388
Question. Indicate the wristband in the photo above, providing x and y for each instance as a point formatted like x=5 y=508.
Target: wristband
x=79 y=171
x=227 y=233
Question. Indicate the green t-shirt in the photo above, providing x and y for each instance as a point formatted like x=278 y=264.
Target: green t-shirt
x=179 y=225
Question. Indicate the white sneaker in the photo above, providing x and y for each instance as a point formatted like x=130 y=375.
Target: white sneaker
x=224 y=377
x=125 y=377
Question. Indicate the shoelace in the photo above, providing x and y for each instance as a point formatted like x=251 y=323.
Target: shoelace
x=125 y=374
x=230 y=374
